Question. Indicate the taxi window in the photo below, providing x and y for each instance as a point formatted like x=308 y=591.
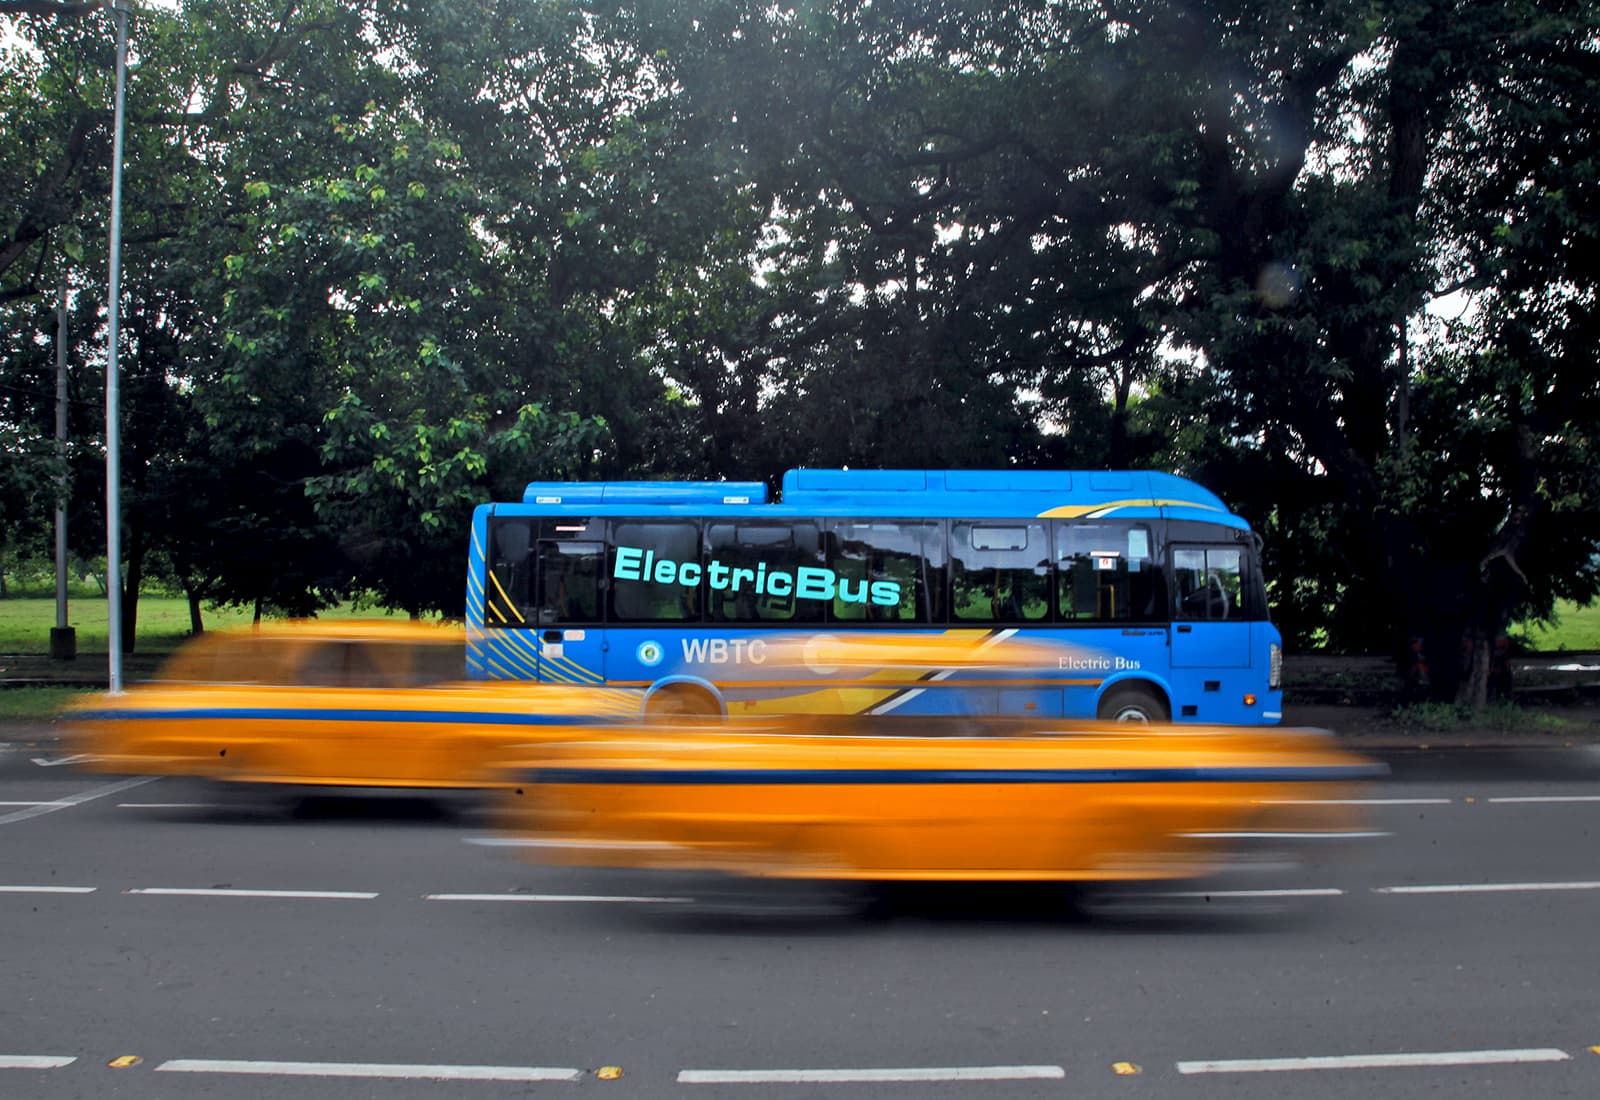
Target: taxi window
x=438 y=664
x=341 y=664
x=232 y=659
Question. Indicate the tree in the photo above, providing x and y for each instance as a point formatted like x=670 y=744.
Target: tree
x=1241 y=211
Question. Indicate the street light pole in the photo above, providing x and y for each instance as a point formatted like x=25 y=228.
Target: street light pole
x=63 y=640
x=119 y=9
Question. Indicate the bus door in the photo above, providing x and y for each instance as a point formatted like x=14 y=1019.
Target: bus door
x=1210 y=624
x=568 y=636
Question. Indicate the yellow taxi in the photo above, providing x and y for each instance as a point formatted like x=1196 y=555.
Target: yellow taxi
x=812 y=797
x=328 y=703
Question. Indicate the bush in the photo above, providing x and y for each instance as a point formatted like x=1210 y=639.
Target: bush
x=1498 y=717
x=36 y=578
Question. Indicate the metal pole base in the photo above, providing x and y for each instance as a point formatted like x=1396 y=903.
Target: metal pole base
x=63 y=643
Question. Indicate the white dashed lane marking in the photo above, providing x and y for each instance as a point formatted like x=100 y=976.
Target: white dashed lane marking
x=1377 y=1061
x=1355 y=801
x=839 y=1076
x=230 y=892
x=616 y=898
x=35 y=1061
x=1486 y=887
x=371 y=1070
x=47 y=889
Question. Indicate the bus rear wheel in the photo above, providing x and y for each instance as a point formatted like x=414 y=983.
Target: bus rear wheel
x=1133 y=703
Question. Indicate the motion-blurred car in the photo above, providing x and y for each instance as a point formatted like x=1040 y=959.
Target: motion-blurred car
x=327 y=704
x=814 y=797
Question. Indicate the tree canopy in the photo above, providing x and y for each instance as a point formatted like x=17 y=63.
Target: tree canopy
x=387 y=260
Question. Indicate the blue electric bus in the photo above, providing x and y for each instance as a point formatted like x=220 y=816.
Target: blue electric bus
x=673 y=590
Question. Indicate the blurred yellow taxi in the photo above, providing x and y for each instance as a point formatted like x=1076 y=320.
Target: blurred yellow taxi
x=812 y=797
x=327 y=704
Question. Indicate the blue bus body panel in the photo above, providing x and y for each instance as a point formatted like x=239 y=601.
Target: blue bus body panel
x=734 y=666
x=552 y=493
x=1208 y=672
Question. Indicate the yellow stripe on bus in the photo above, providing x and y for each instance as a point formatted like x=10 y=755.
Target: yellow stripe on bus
x=1076 y=511
x=509 y=602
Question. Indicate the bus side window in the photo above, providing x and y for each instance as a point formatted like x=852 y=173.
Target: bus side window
x=656 y=570
x=887 y=571
x=1000 y=572
x=1209 y=582
x=509 y=579
x=773 y=553
x=1108 y=573
x=569 y=582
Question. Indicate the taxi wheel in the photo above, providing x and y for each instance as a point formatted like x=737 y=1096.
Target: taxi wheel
x=1133 y=704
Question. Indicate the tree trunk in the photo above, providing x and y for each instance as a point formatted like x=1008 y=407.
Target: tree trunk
x=130 y=593
x=196 y=626
x=1473 y=689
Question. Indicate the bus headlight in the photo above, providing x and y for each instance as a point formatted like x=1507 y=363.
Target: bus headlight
x=1275 y=667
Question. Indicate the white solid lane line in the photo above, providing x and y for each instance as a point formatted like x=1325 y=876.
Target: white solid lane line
x=1377 y=1061
x=230 y=892
x=35 y=1061
x=553 y=898
x=835 y=1076
x=1550 y=798
x=1485 y=887
x=371 y=1069
x=78 y=799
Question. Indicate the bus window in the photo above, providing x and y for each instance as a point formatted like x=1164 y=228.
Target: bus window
x=569 y=582
x=1107 y=573
x=1210 y=582
x=753 y=571
x=510 y=573
x=656 y=573
x=886 y=571
x=999 y=572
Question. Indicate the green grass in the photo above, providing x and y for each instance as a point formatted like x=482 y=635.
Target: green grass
x=36 y=703
x=1576 y=630
x=163 y=623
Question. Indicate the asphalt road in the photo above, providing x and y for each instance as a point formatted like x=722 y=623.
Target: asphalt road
x=366 y=949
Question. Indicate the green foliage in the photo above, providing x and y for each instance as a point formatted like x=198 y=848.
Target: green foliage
x=384 y=262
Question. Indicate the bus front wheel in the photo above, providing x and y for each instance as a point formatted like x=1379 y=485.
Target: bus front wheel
x=1132 y=703
x=681 y=702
